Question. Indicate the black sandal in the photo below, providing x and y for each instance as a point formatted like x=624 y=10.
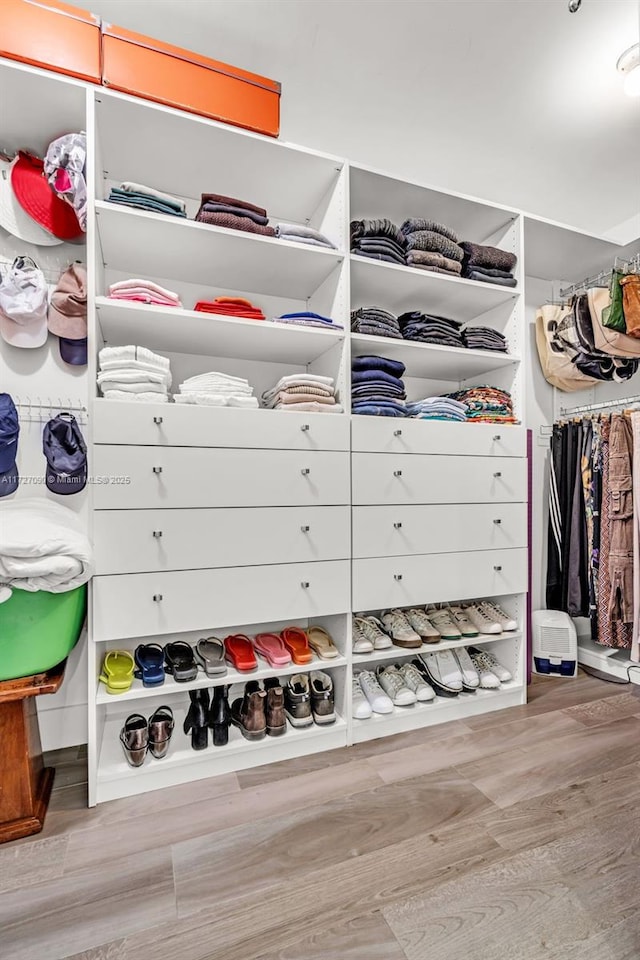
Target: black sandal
x=160 y=730
x=180 y=661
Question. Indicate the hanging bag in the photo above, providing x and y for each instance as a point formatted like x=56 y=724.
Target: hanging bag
x=613 y=315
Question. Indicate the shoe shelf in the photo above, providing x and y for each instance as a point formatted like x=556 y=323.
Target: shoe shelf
x=395 y=653
x=431 y=361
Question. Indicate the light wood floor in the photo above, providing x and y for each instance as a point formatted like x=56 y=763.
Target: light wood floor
x=511 y=836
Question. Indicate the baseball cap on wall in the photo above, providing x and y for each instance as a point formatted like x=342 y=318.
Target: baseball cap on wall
x=64 y=166
x=9 y=431
x=23 y=304
x=66 y=452
x=13 y=218
x=67 y=317
x=36 y=197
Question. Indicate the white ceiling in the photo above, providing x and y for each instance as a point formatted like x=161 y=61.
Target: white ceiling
x=516 y=101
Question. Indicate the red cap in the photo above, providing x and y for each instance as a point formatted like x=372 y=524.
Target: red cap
x=36 y=198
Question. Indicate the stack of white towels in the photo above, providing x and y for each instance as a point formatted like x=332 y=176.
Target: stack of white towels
x=134 y=373
x=303 y=392
x=216 y=390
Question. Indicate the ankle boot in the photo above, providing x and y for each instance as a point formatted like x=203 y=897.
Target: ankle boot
x=248 y=712
x=274 y=712
x=197 y=718
x=220 y=716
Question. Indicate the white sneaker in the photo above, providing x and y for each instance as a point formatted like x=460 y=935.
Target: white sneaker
x=380 y=702
x=444 y=672
x=422 y=625
x=402 y=633
x=360 y=706
x=416 y=682
x=444 y=623
x=462 y=622
x=361 y=644
x=393 y=683
x=496 y=613
x=488 y=679
x=371 y=628
x=490 y=662
x=470 y=678
x=479 y=619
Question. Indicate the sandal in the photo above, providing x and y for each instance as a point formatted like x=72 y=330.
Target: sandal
x=149 y=659
x=239 y=651
x=117 y=671
x=160 y=730
x=322 y=644
x=197 y=719
x=180 y=661
x=134 y=738
x=297 y=643
x=272 y=648
x=209 y=653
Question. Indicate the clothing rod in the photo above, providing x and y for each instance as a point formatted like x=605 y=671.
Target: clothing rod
x=603 y=275
x=624 y=401
x=28 y=405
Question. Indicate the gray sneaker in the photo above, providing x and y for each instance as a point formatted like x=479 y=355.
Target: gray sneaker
x=402 y=633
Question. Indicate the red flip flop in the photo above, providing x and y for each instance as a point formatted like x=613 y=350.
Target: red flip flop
x=297 y=643
x=271 y=647
x=238 y=650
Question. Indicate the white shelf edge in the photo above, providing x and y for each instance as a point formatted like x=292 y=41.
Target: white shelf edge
x=508 y=292
x=393 y=653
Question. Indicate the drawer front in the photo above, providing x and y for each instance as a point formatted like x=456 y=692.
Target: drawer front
x=192 y=477
x=403 y=581
x=124 y=606
x=388 y=435
x=174 y=425
x=417 y=529
x=195 y=539
x=384 y=478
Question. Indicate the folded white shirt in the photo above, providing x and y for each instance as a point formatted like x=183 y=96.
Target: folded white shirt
x=111 y=365
x=131 y=352
x=158 y=388
x=142 y=397
x=133 y=376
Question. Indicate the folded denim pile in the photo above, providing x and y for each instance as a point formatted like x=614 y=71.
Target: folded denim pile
x=143 y=291
x=230 y=307
x=134 y=373
x=305 y=392
x=486 y=404
x=378 y=240
x=306 y=318
x=484 y=338
x=432 y=246
x=428 y=328
x=488 y=264
x=303 y=234
x=130 y=194
x=376 y=387
x=375 y=322
x=220 y=211
x=438 y=408
x=216 y=390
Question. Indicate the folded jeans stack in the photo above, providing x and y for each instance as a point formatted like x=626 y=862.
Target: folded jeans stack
x=303 y=392
x=488 y=264
x=143 y=291
x=375 y=322
x=220 y=211
x=377 y=388
x=130 y=194
x=438 y=408
x=306 y=318
x=484 y=338
x=427 y=328
x=486 y=404
x=134 y=373
x=216 y=390
x=302 y=234
x=230 y=307
x=432 y=246
x=378 y=240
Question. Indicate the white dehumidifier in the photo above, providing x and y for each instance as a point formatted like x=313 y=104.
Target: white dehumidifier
x=555 y=644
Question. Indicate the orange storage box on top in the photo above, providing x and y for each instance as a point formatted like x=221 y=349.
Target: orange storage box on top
x=52 y=35
x=144 y=67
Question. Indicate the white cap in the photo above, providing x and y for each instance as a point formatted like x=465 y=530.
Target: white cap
x=14 y=219
x=23 y=304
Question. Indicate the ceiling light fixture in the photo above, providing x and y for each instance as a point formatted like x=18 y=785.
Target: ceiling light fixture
x=629 y=66
x=574 y=5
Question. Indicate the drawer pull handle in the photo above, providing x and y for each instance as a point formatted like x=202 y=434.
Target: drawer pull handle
x=497 y=474
x=157 y=534
x=157 y=597
x=497 y=438
x=305 y=471
x=158 y=420
x=397 y=526
x=397 y=473
x=497 y=521
x=305 y=427
x=305 y=529
x=157 y=469
x=397 y=576
x=497 y=568
x=397 y=433
x=304 y=584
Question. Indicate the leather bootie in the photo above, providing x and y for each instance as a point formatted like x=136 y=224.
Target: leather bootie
x=248 y=712
x=220 y=716
x=274 y=712
x=197 y=718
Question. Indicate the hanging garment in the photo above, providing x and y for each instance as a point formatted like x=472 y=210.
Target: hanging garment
x=635 y=636
x=621 y=520
x=555 y=530
x=596 y=496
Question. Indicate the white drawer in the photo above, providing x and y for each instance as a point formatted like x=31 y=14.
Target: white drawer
x=383 y=478
x=391 y=435
x=161 y=424
x=403 y=581
x=403 y=530
x=139 y=541
x=196 y=477
x=124 y=606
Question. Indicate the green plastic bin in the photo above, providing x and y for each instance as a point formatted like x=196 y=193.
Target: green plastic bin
x=38 y=630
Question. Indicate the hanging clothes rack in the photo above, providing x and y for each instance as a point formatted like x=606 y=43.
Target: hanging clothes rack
x=590 y=407
x=601 y=279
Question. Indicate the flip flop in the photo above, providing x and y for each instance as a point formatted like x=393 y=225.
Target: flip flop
x=239 y=651
x=117 y=671
x=160 y=730
x=297 y=643
x=209 y=653
x=272 y=648
x=180 y=661
x=322 y=644
x=134 y=738
x=149 y=659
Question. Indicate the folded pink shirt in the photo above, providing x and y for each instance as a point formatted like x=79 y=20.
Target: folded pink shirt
x=143 y=296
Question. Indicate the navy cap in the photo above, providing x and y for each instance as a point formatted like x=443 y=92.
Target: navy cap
x=9 y=430
x=73 y=351
x=66 y=452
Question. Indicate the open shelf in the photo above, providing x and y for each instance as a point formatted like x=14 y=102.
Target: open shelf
x=361 y=660
x=557 y=252
x=432 y=360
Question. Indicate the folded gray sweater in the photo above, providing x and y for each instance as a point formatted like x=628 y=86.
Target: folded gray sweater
x=415 y=224
x=437 y=242
x=480 y=255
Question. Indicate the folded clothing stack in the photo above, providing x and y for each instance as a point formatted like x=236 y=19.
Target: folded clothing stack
x=432 y=246
x=216 y=390
x=376 y=387
x=430 y=328
x=306 y=392
x=378 y=240
x=144 y=291
x=375 y=322
x=486 y=404
x=134 y=373
x=305 y=318
x=302 y=234
x=233 y=214
x=484 y=338
x=438 y=408
x=230 y=307
x=146 y=198
x=488 y=264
